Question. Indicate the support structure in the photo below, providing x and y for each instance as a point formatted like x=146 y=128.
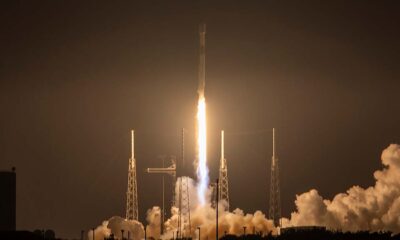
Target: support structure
x=274 y=197
x=223 y=176
x=171 y=170
x=216 y=211
x=184 y=223
x=131 y=194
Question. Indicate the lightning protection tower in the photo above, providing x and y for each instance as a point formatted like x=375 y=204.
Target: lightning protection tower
x=274 y=197
x=184 y=223
x=223 y=176
x=131 y=194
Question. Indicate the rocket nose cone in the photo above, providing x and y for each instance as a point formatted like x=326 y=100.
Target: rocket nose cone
x=202 y=28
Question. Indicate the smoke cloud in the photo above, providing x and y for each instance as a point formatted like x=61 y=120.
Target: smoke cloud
x=114 y=225
x=154 y=222
x=375 y=208
x=204 y=217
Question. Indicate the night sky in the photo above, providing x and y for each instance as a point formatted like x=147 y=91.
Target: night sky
x=76 y=77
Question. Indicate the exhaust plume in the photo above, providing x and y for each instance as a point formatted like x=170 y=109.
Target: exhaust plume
x=375 y=208
x=114 y=225
x=202 y=169
x=153 y=218
x=204 y=217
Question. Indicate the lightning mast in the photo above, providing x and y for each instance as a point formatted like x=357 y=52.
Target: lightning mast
x=274 y=197
x=131 y=194
x=223 y=176
x=184 y=223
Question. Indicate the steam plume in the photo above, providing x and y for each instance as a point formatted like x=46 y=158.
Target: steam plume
x=375 y=208
x=154 y=222
x=114 y=225
x=204 y=216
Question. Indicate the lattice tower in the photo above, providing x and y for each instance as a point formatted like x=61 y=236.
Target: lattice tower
x=131 y=194
x=184 y=223
x=274 y=198
x=223 y=176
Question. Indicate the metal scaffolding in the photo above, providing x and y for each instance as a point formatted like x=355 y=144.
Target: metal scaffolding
x=223 y=176
x=131 y=194
x=184 y=223
x=171 y=170
x=275 y=197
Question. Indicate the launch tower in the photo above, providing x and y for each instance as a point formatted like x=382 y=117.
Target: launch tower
x=184 y=223
x=274 y=197
x=131 y=194
x=223 y=176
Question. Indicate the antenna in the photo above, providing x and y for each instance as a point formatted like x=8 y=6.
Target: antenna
x=183 y=147
x=222 y=149
x=133 y=144
x=273 y=145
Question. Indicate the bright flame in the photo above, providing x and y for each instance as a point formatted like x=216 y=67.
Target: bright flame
x=202 y=170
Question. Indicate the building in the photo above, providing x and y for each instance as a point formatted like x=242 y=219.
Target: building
x=8 y=200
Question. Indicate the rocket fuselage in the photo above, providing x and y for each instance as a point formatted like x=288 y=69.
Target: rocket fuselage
x=202 y=60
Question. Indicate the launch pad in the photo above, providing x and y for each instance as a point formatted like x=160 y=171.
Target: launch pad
x=182 y=200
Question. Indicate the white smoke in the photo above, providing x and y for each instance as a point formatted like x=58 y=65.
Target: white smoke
x=114 y=225
x=229 y=222
x=200 y=216
x=375 y=208
x=204 y=217
x=153 y=218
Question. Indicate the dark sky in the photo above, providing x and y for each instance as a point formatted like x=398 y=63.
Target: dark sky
x=76 y=77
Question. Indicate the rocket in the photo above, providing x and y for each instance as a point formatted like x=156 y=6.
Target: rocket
x=202 y=60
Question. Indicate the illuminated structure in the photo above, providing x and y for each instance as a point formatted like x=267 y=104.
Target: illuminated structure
x=131 y=194
x=184 y=224
x=223 y=176
x=274 y=197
